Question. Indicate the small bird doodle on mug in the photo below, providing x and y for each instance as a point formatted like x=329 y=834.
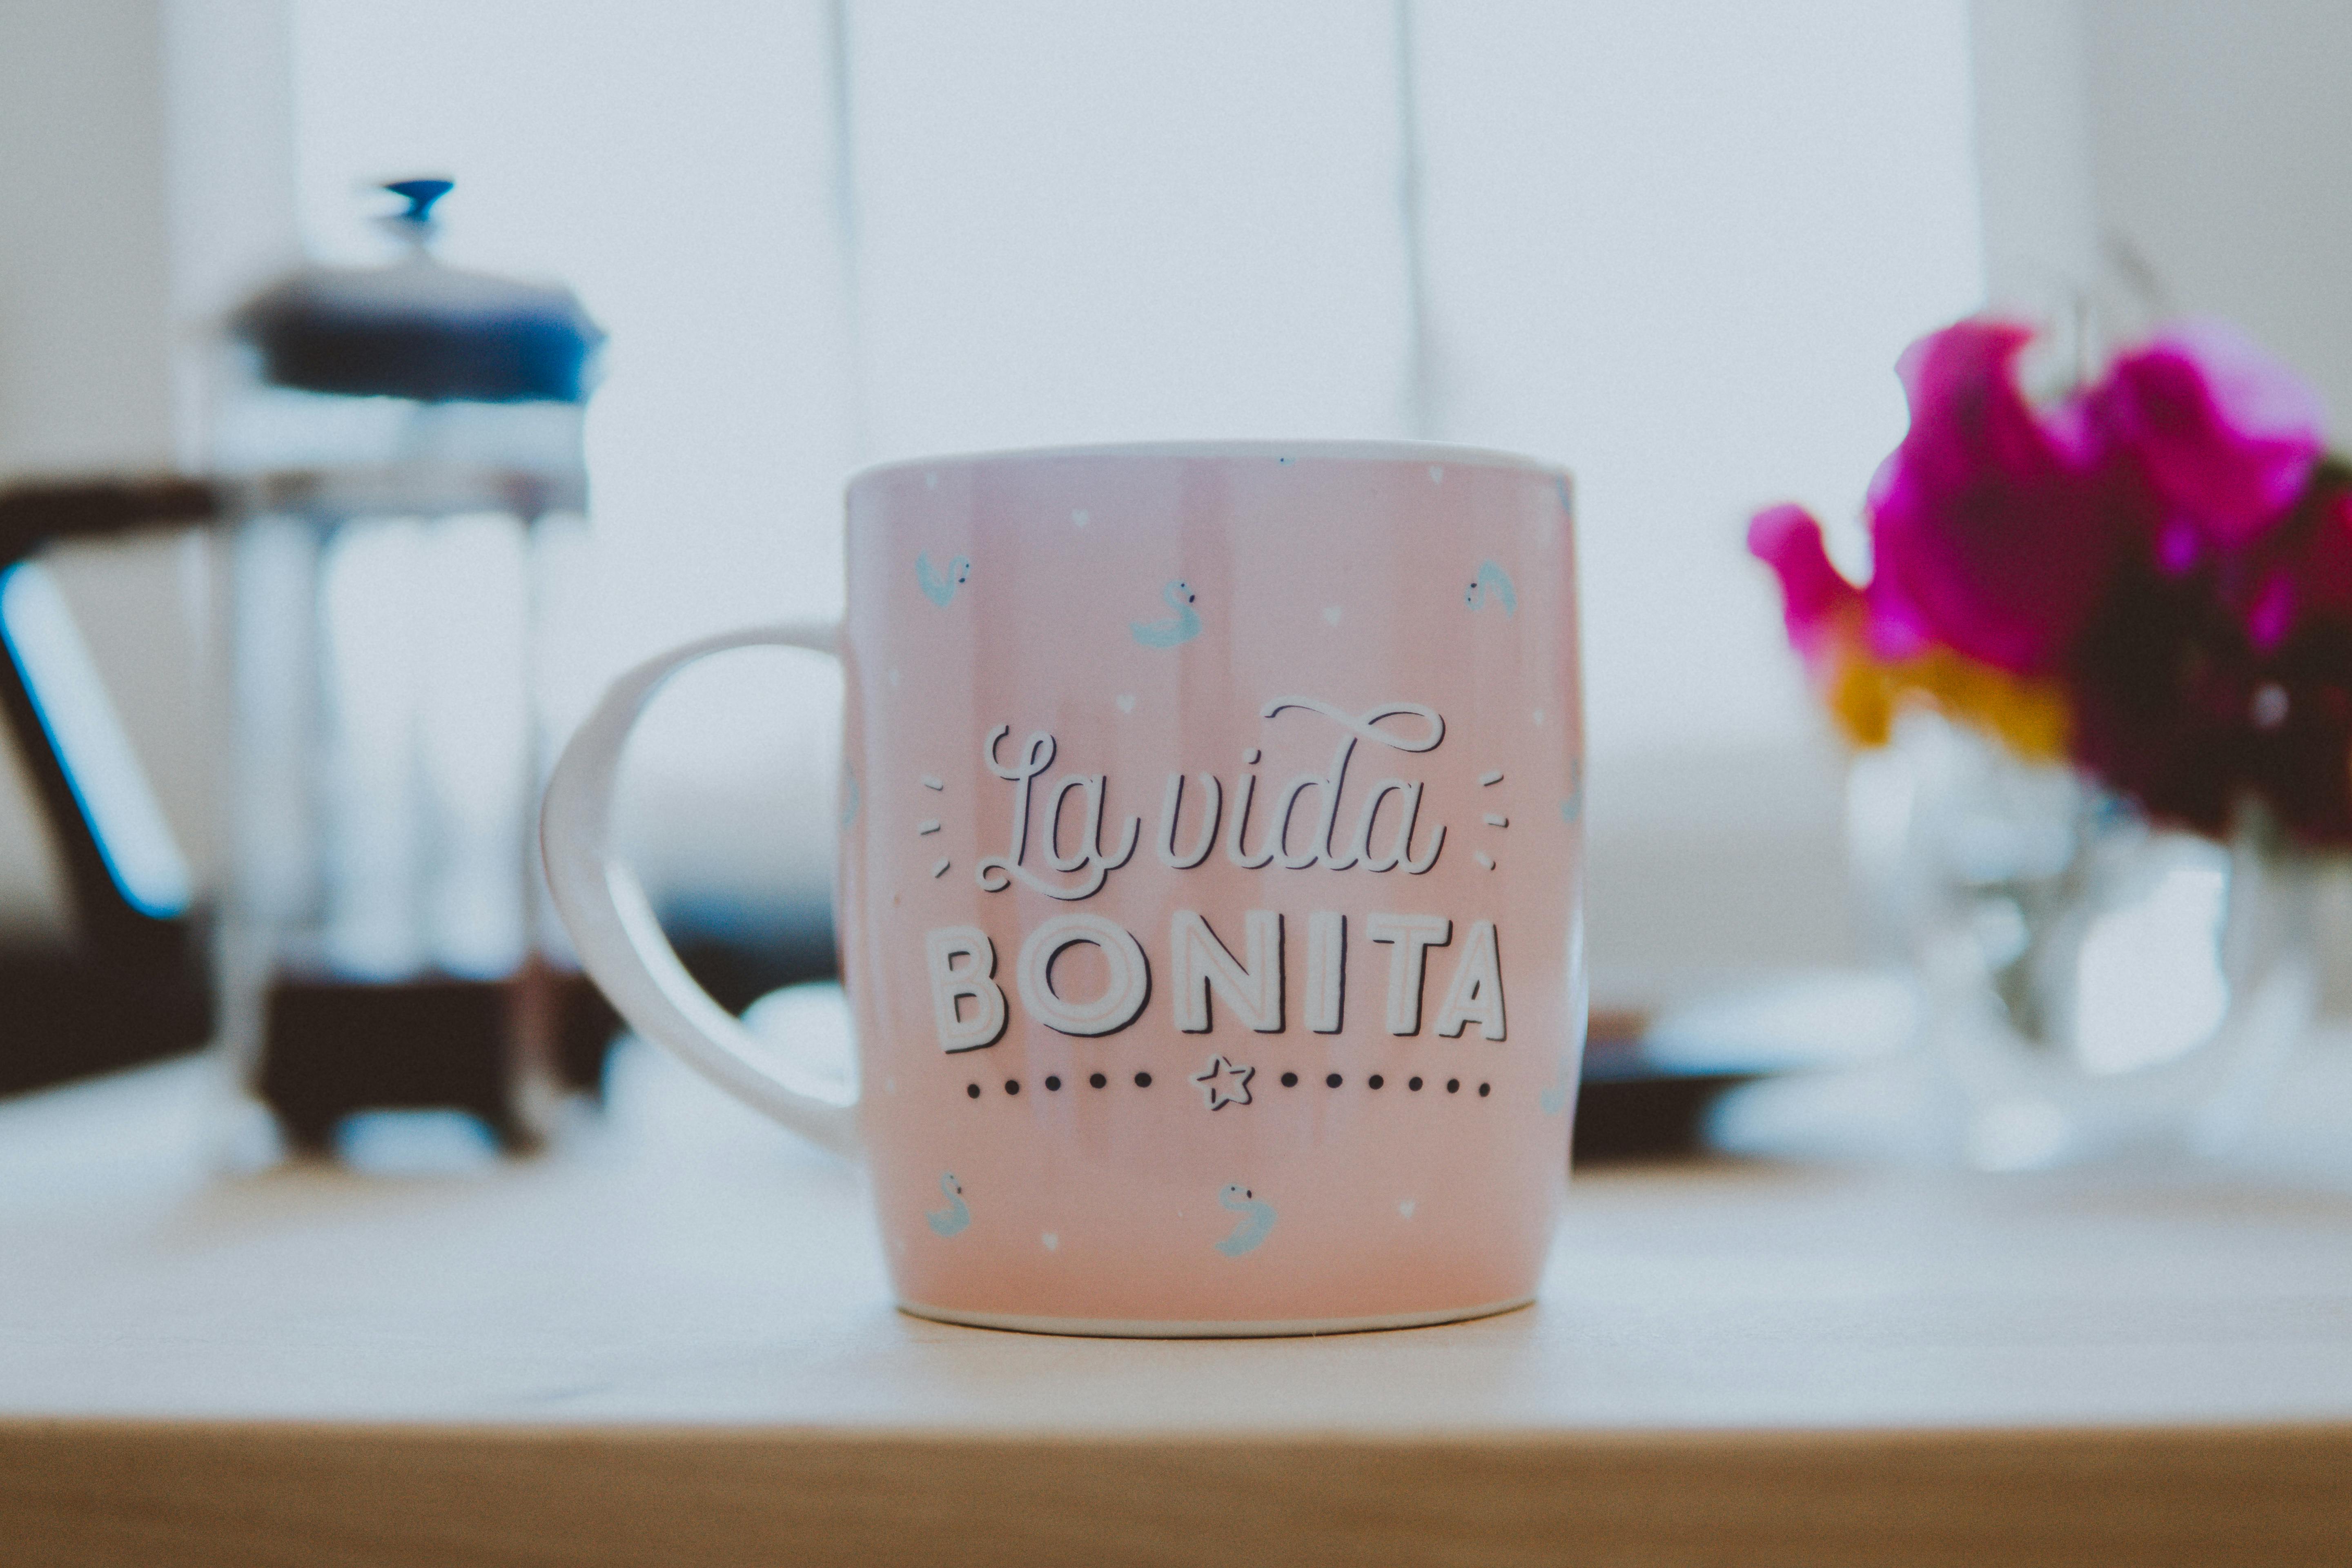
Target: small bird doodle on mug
x=1180 y=627
x=1492 y=582
x=951 y=1220
x=939 y=590
x=1257 y=1218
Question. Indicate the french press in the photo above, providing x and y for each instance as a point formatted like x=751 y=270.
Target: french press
x=403 y=445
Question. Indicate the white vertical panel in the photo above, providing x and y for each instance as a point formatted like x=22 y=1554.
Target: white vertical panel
x=229 y=146
x=85 y=248
x=1678 y=246
x=2222 y=141
x=1085 y=222
x=2032 y=78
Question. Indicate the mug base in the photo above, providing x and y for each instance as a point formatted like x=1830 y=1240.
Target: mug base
x=1204 y=1328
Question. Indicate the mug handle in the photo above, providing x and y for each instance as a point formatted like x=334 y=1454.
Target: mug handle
x=613 y=926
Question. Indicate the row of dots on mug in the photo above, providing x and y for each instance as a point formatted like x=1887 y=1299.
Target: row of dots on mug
x=1289 y=1080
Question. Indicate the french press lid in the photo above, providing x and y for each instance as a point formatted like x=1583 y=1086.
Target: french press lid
x=420 y=330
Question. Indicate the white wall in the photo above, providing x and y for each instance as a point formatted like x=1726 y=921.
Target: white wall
x=2222 y=156
x=1676 y=248
x=2174 y=156
x=1679 y=246
x=2035 y=186
x=86 y=325
x=1619 y=265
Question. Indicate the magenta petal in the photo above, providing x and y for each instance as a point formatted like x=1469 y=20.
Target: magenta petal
x=2179 y=546
x=1813 y=595
x=2295 y=575
x=1897 y=629
x=2225 y=433
x=1992 y=532
x=2273 y=614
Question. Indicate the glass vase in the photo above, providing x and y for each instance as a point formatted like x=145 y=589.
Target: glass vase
x=2090 y=983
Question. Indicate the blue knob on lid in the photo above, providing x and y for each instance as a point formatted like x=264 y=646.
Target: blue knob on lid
x=420 y=195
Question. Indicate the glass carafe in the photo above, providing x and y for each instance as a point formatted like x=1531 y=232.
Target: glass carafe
x=405 y=446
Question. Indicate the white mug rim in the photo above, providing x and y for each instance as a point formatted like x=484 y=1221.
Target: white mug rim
x=1436 y=452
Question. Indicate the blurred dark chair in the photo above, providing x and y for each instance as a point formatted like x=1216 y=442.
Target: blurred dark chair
x=131 y=985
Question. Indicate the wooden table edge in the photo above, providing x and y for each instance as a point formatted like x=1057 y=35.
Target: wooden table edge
x=80 y=1491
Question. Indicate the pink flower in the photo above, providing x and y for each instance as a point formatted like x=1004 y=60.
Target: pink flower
x=2224 y=437
x=2169 y=552
x=1815 y=597
x=1994 y=526
x=2297 y=570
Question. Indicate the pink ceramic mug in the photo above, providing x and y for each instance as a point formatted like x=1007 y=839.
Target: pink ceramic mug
x=1209 y=888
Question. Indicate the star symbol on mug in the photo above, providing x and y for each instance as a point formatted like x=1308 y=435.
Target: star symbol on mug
x=1223 y=1083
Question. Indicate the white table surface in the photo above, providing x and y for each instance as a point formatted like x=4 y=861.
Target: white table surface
x=679 y=1266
